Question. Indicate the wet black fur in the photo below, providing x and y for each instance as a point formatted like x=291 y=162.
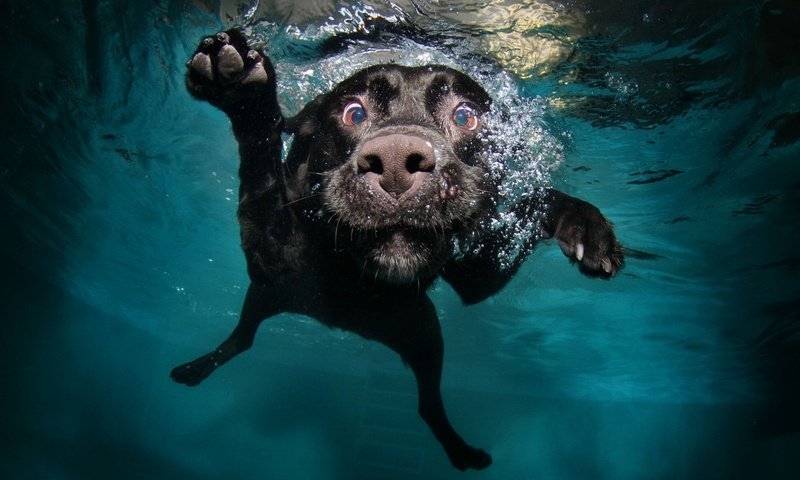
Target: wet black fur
x=319 y=240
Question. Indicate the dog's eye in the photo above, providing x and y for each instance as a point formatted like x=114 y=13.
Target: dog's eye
x=465 y=117
x=354 y=114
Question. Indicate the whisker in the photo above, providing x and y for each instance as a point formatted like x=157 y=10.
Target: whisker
x=433 y=229
x=364 y=268
x=300 y=199
x=325 y=153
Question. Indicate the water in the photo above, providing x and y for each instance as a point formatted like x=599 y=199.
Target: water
x=121 y=257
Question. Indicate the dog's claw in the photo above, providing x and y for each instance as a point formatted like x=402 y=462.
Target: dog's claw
x=253 y=56
x=587 y=237
x=606 y=263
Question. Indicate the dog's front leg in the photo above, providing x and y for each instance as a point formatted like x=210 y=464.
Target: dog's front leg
x=240 y=81
x=583 y=233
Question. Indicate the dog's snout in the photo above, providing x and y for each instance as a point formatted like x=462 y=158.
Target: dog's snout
x=398 y=163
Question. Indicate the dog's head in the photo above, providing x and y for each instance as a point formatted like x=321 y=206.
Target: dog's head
x=396 y=157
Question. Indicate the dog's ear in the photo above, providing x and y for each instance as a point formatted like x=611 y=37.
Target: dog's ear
x=306 y=125
x=306 y=122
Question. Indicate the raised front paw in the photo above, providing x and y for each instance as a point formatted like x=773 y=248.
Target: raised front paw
x=227 y=73
x=587 y=237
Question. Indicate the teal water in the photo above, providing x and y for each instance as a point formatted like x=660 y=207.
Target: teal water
x=120 y=252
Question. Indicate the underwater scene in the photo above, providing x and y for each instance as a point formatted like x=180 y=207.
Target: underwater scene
x=122 y=259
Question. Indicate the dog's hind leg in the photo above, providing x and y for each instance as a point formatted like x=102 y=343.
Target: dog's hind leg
x=257 y=306
x=420 y=345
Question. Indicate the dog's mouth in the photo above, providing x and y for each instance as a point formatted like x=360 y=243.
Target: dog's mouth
x=400 y=240
x=446 y=201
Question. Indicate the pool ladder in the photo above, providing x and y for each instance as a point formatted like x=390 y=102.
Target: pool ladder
x=390 y=446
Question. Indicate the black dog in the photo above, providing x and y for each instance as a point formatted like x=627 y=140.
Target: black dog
x=385 y=188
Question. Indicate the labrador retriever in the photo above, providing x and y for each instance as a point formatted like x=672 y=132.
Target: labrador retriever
x=386 y=188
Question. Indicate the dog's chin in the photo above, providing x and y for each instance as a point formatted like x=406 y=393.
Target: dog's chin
x=403 y=256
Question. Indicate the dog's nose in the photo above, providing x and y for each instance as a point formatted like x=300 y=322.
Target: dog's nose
x=400 y=163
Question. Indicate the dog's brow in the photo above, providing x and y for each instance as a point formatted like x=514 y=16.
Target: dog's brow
x=436 y=90
x=469 y=89
x=382 y=92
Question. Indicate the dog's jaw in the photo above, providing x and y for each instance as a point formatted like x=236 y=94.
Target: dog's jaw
x=404 y=256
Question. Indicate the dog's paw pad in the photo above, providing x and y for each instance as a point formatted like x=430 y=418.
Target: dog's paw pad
x=225 y=71
x=201 y=64
x=256 y=74
x=229 y=62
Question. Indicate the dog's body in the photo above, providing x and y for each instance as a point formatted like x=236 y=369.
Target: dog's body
x=386 y=176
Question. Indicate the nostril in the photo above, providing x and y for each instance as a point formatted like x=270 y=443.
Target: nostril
x=417 y=162
x=397 y=164
x=370 y=163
